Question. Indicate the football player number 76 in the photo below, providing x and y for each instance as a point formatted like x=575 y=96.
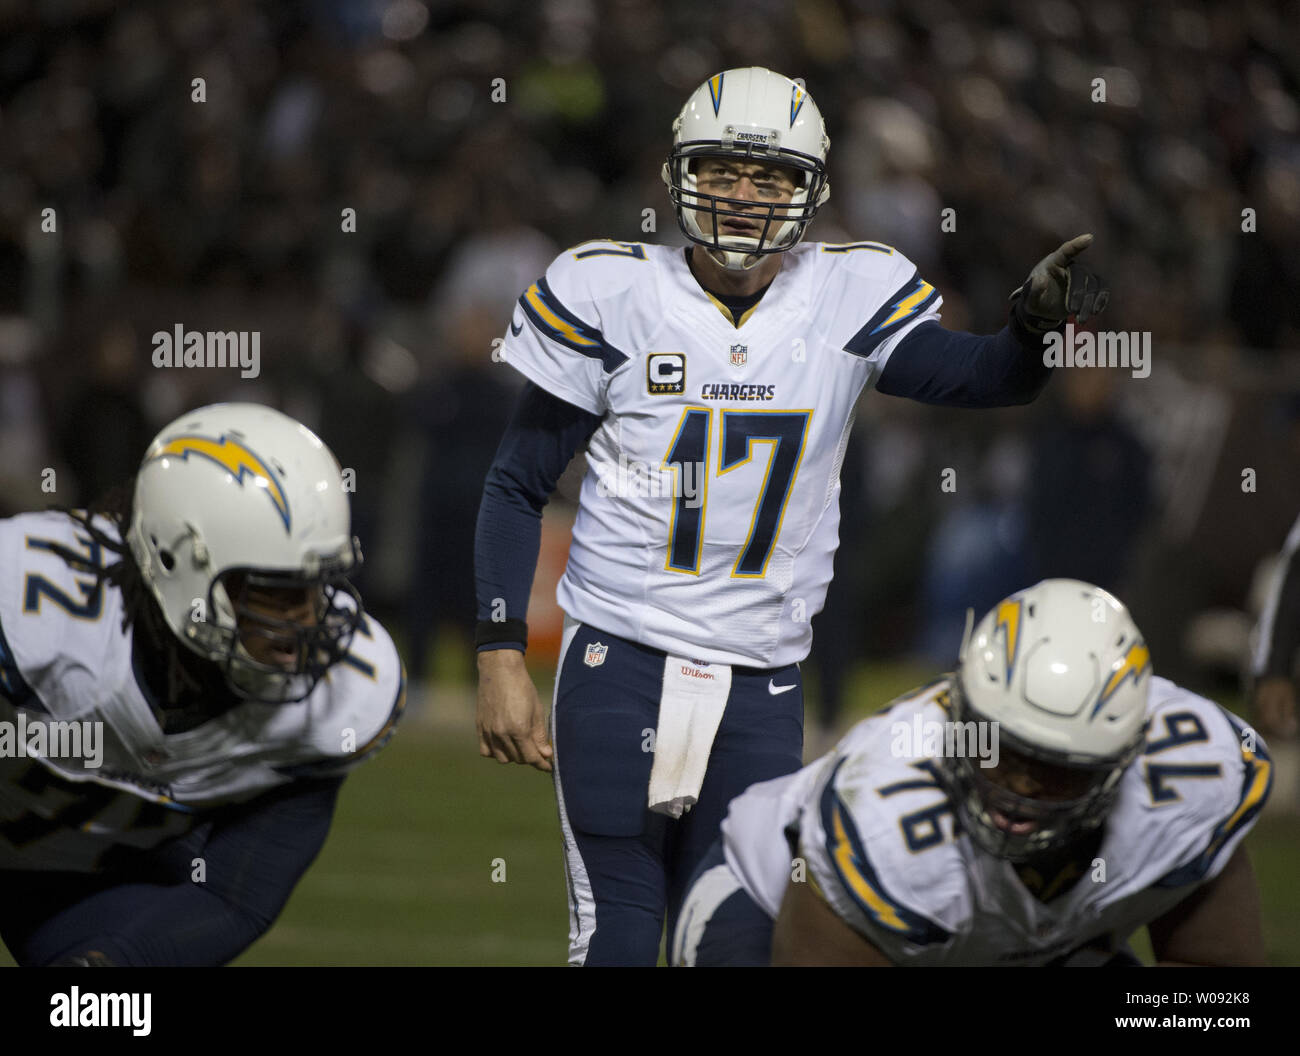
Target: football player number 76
x=783 y=431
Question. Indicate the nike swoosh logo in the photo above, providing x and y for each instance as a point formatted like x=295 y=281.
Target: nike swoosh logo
x=516 y=330
x=774 y=689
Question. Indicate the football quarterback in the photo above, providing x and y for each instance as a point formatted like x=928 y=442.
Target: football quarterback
x=714 y=387
x=1106 y=799
x=186 y=675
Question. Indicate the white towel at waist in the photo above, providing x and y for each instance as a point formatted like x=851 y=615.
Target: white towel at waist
x=690 y=710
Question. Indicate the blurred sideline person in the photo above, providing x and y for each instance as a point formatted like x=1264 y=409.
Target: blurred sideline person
x=1114 y=799
x=1277 y=639
x=214 y=677
x=1083 y=454
x=715 y=388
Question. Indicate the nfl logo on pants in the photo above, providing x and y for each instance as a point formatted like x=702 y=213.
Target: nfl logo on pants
x=595 y=654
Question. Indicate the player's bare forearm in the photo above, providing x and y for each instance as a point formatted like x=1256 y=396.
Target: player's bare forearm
x=1219 y=925
x=511 y=727
x=808 y=934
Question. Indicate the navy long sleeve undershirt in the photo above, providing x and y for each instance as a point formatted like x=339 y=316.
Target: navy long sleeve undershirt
x=956 y=369
x=930 y=364
x=540 y=440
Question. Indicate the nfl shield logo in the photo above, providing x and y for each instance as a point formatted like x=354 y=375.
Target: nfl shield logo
x=595 y=654
x=739 y=353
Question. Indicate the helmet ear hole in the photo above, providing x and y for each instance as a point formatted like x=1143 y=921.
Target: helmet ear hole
x=166 y=559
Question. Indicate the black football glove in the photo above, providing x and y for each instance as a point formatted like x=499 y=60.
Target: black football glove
x=1058 y=287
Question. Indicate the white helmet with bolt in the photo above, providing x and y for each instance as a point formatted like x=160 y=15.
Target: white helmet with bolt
x=237 y=497
x=758 y=116
x=1064 y=672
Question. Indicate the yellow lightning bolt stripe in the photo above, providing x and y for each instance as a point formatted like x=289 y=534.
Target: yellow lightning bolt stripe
x=1135 y=662
x=907 y=305
x=1009 y=618
x=796 y=102
x=233 y=457
x=1261 y=776
x=538 y=304
x=847 y=864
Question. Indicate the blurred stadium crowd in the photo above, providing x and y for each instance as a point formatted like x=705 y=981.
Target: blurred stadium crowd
x=226 y=214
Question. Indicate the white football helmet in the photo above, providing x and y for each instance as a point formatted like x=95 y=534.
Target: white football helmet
x=1065 y=673
x=237 y=499
x=758 y=115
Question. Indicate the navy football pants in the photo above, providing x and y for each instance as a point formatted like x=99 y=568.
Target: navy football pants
x=720 y=925
x=625 y=865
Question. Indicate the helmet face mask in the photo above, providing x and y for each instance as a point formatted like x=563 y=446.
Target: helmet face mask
x=753 y=116
x=1064 y=673
x=269 y=657
x=781 y=224
x=1072 y=800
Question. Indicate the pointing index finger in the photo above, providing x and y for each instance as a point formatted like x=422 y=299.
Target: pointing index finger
x=1073 y=248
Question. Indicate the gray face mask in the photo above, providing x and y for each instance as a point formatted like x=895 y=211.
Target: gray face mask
x=1016 y=827
x=315 y=646
x=774 y=226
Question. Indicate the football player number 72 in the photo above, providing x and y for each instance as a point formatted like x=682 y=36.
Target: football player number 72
x=783 y=431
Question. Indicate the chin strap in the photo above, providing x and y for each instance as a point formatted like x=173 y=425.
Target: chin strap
x=733 y=260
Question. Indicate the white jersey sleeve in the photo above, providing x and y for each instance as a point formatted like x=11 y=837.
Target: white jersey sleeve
x=358 y=713
x=755 y=842
x=863 y=830
x=877 y=279
x=56 y=623
x=574 y=326
x=1193 y=794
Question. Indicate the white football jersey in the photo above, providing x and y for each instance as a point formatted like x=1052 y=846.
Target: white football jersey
x=65 y=660
x=710 y=510
x=876 y=831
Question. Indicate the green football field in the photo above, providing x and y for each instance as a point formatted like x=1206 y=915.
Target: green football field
x=438 y=856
